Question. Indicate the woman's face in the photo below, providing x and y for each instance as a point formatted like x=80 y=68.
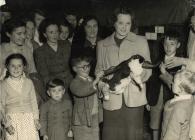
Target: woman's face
x=122 y=25
x=30 y=30
x=52 y=33
x=91 y=28
x=64 y=32
x=18 y=36
x=38 y=19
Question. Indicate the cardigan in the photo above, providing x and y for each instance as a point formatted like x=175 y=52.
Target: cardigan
x=84 y=92
x=108 y=54
x=14 y=102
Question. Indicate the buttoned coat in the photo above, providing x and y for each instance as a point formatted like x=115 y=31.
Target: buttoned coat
x=55 y=119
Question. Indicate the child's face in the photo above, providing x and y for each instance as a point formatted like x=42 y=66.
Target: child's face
x=91 y=28
x=52 y=33
x=179 y=78
x=18 y=36
x=56 y=93
x=82 y=69
x=16 y=68
x=64 y=32
x=170 y=46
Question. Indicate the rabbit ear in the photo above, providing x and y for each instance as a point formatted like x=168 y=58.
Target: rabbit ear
x=149 y=65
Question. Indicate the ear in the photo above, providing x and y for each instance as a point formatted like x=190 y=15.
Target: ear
x=45 y=35
x=178 y=45
x=74 y=68
x=8 y=34
x=48 y=93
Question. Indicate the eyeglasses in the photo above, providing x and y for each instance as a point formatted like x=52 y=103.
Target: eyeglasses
x=84 y=67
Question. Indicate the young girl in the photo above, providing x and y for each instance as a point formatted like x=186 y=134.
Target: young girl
x=18 y=101
x=56 y=113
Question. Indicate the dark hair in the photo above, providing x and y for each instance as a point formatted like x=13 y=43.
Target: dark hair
x=40 y=12
x=27 y=19
x=79 y=58
x=125 y=11
x=65 y=23
x=43 y=27
x=173 y=35
x=54 y=83
x=15 y=56
x=12 y=24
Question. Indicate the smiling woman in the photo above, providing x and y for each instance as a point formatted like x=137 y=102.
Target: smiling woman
x=15 y=30
x=123 y=113
x=52 y=59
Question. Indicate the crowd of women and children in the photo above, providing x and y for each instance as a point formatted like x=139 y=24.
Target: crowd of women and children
x=51 y=70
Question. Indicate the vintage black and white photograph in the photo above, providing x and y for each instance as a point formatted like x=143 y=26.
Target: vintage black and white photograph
x=97 y=70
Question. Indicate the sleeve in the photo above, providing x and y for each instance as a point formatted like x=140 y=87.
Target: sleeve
x=34 y=102
x=31 y=62
x=43 y=119
x=100 y=57
x=41 y=65
x=2 y=105
x=146 y=54
x=70 y=114
x=190 y=65
x=82 y=89
x=167 y=79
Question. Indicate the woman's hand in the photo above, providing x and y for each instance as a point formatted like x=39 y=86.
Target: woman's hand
x=174 y=62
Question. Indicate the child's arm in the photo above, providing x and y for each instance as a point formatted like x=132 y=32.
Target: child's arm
x=165 y=76
x=70 y=133
x=34 y=106
x=44 y=119
x=82 y=89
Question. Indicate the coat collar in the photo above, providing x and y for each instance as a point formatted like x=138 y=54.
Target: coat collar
x=110 y=40
x=181 y=98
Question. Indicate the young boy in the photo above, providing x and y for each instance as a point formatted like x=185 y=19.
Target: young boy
x=86 y=105
x=178 y=111
x=162 y=80
x=55 y=114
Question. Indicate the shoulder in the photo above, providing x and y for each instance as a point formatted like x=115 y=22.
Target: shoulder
x=107 y=41
x=41 y=50
x=45 y=105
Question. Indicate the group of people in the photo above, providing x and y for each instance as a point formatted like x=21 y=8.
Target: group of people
x=51 y=73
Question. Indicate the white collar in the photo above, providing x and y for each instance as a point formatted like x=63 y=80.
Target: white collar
x=181 y=97
x=166 y=57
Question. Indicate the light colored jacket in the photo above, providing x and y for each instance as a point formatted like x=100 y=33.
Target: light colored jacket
x=176 y=119
x=109 y=54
